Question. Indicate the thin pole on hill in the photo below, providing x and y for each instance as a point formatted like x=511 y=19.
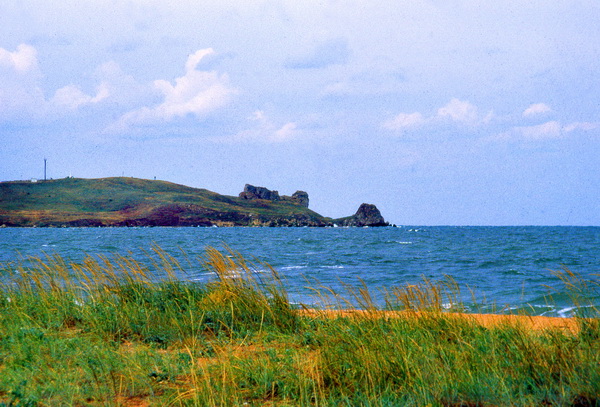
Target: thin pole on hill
x=44 y=169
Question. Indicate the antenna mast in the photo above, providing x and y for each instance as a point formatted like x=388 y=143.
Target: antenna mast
x=44 y=169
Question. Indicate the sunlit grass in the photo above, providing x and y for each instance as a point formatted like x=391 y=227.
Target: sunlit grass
x=113 y=330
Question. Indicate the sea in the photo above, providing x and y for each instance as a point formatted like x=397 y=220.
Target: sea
x=496 y=269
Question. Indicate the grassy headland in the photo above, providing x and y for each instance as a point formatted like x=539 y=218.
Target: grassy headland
x=105 y=332
x=122 y=201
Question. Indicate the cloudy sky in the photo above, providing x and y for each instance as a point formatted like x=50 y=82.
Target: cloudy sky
x=440 y=112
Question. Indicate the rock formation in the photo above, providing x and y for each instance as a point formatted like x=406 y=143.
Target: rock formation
x=366 y=215
x=252 y=192
x=301 y=198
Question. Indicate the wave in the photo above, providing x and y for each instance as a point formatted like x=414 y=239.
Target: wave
x=512 y=272
x=292 y=267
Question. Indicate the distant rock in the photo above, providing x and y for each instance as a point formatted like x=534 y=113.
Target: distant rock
x=366 y=215
x=301 y=198
x=252 y=192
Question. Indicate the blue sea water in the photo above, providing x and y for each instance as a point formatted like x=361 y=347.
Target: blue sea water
x=495 y=267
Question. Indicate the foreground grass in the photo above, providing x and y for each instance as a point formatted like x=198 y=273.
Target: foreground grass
x=105 y=333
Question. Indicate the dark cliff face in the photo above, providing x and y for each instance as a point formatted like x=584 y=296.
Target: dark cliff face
x=252 y=192
x=366 y=215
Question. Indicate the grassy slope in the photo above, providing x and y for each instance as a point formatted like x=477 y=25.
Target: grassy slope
x=120 y=198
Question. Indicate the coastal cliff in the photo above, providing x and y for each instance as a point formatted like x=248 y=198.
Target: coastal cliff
x=120 y=201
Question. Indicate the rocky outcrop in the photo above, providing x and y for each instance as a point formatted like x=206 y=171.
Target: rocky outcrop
x=252 y=192
x=301 y=198
x=366 y=215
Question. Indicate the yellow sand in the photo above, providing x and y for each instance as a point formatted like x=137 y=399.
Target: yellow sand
x=486 y=320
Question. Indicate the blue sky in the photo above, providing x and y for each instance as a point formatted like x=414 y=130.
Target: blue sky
x=439 y=112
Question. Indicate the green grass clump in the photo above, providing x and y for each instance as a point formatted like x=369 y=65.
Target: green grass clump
x=118 y=331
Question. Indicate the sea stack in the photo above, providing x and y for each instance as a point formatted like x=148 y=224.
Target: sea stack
x=366 y=215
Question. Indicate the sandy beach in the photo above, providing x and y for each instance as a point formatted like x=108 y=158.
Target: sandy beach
x=486 y=320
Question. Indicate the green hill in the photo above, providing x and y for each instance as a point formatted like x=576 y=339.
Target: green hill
x=124 y=201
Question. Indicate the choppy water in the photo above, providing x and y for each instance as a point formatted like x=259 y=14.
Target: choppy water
x=503 y=265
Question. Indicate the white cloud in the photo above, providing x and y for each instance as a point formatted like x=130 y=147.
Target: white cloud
x=456 y=111
x=459 y=111
x=265 y=131
x=536 y=109
x=20 y=93
x=124 y=91
x=197 y=93
x=286 y=132
x=404 y=120
x=548 y=130
x=195 y=58
x=23 y=60
x=72 y=97
x=583 y=126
